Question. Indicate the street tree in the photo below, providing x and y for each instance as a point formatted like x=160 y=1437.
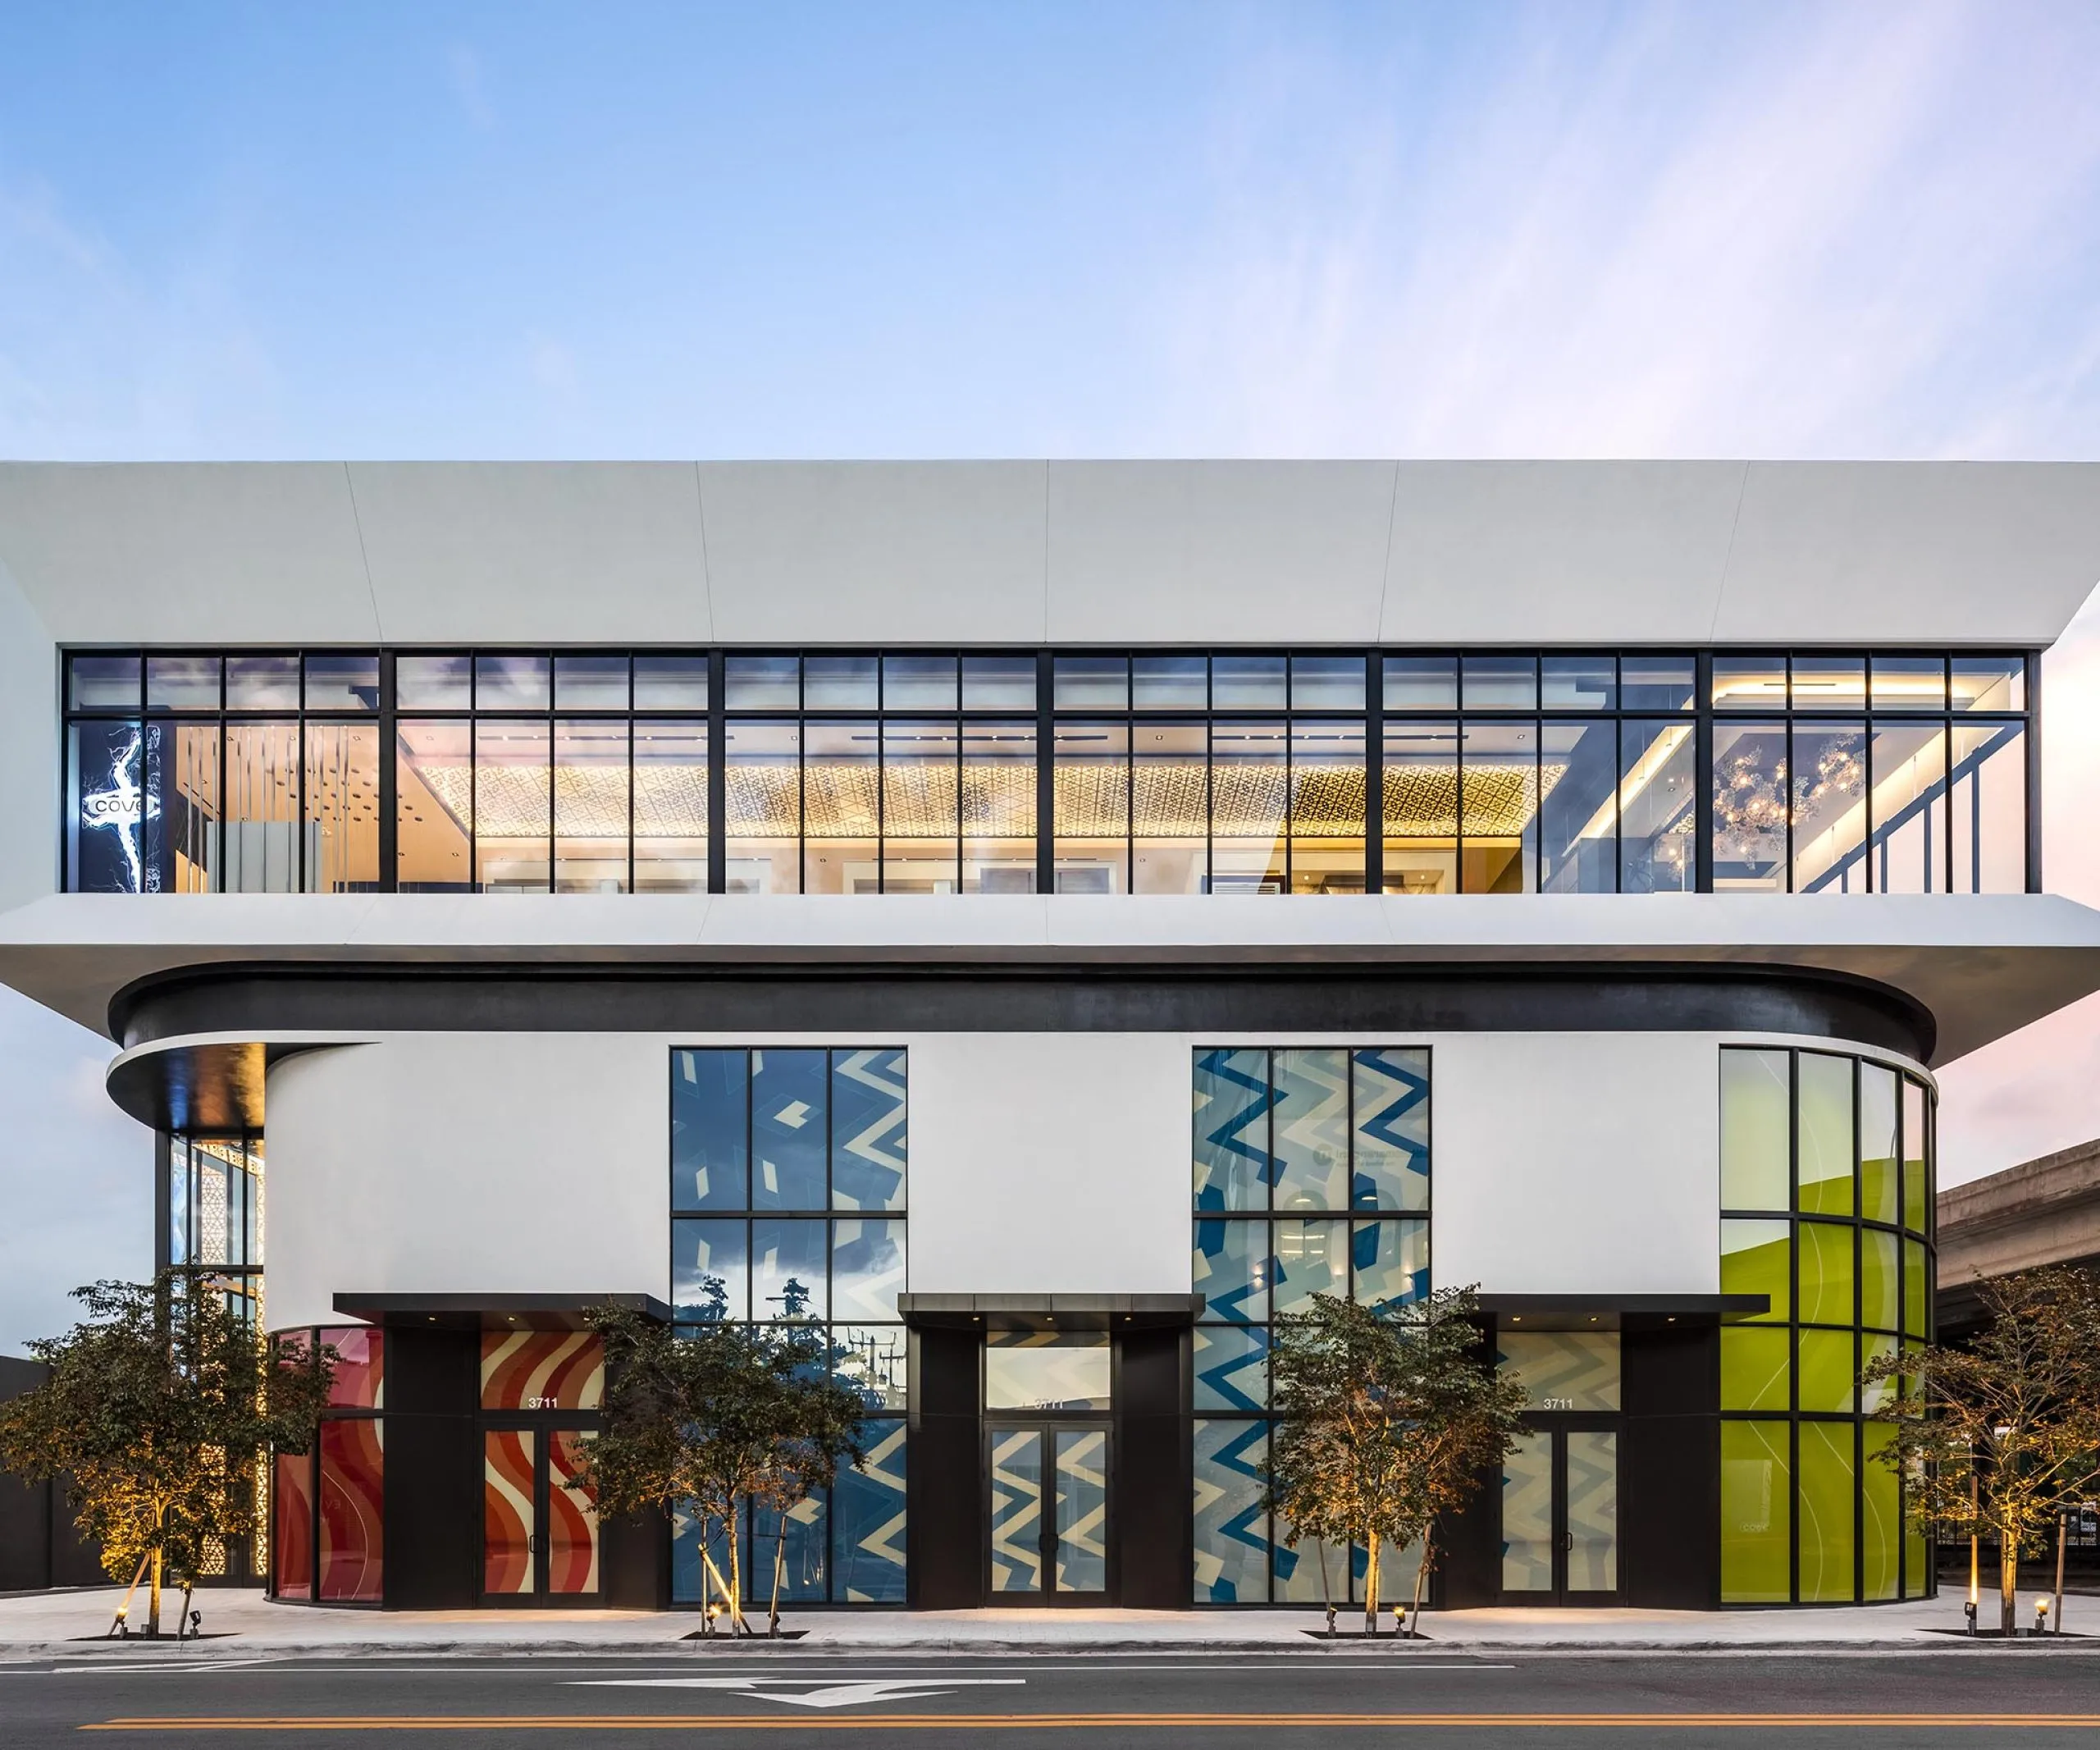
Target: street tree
x=1386 y=1421
x=156 y=1411
x=2001 y=1436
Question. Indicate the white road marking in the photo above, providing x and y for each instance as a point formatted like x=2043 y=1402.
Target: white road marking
x=822 y=1695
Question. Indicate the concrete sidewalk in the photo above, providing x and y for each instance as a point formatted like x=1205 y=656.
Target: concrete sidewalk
x=65 y=1624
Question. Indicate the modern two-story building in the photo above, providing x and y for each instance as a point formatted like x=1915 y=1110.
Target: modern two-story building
x=1041 y=923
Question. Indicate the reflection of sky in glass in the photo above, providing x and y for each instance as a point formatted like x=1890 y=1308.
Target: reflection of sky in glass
x=701 y=1249
x=788 y=1270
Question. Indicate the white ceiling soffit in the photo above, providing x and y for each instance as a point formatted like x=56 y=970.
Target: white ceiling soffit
x=1077 y=552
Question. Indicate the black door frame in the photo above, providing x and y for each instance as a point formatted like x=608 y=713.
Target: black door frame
x=1556 y=1427
x=545 y=1425
x=1049 y=1426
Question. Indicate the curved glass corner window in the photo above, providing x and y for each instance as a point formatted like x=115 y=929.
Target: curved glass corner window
x=1046 y=1372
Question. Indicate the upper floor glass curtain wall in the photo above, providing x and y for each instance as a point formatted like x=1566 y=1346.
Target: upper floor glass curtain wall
x=1081 y=772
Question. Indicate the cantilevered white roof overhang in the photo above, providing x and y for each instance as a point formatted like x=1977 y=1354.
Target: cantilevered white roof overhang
x=1983 y=966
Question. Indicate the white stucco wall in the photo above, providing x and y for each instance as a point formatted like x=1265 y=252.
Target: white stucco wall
x=447 y=1162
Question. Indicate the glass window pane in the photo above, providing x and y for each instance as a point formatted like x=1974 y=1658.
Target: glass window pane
x=867 y=1269
x=1499 y=825
x=670 y=683
x=1247 y=682
x=261 y=808
x=1421 y=807
x=1829 y=1498
x=1042 y=1370
x=590 y=808
x=1917 y=1186
x=1826 y=1273
x=760 y=683
x=1989 y=683
x=1390 y=1261
x=1750 y=807
x=353 y=1518
x=998 y=684
x=1757 y=1130
x=704 y=1249
x=182 y=683
x=1880 y=1286
x=1989 y=808
x=1828 y=1372
x=1092 y=807
x=1879 y=1172
x=1830 y=684
x=1910 y=683
x=1754 y=1369
x=1326 y=683
x=840 y=683
x=262 y=683
x=1390 y=1145
x=922 y=816
x=511 y=807
x=1829 y=773
x=1574 y=1370
x=842 y=797
x=1527 y=1534
x=869 y=1146
x=1310 y=1120
x=1232 y=1270
x=873 y=1361
x=789 y=1129
x=1825 y=1137
x=1656 y=683
x=998 y=807
x=1881 y=1517
x=1578 y=684
x=1499 y=683
x=433 y=783
x=542 y=1370
x=1750 y=683
x=1170 y=785
x=104 y=684
x=1179 y=684
x=1092 y=682
x=1312 y=1258
x=434 y=684
x=1917 y=1290
x=867 y=1524
x=1910 y=809
x=510 y=684
x=1234 y=1168
x=709 y=1138
x=918 y=681
x=1873 y=1346
x=1757 y=1259
x=763 y=806
x=1657 y=803
x=1578 y=781
x=1421 y=682
x=1327 y=807
x=670 y=807
x=788 y=1270
x=341 y=682
x=1757 y=1499
x=1249 y=790
x=1231 y=1525
x=591 y=683
x=342 y=807
x=1232 y=1367
x=186 y=848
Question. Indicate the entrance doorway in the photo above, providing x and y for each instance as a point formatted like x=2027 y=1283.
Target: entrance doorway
x=539 y=1527
x=1046 y=1512
x=1560 y=1516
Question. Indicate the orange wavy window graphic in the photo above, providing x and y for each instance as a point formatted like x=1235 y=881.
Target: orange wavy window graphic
x=571 y=1515
x=292 y=1509
x=542 y=1370
x=352 y=1522
x=358 y=1380
x=508 y=1465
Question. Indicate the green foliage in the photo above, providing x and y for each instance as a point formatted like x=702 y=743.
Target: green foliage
x=1384 y=1424
x=2002 y=1435
x=157 y=1411
x=719 y=1418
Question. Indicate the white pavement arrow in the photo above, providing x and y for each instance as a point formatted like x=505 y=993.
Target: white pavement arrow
x=821 y=1695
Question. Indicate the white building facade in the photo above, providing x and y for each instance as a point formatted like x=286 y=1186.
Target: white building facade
x=1040 y=924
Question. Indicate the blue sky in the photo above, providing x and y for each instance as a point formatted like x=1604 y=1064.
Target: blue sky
x=1017 y=228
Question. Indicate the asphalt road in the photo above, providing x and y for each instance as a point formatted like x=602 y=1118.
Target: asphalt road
x=1388 y=1696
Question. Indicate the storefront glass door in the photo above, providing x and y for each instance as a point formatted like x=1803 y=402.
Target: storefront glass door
x=1560 y=1517
x=539 y=1516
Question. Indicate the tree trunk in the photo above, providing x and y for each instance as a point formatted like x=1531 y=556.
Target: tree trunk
x=779 y=1568
x=153 y=1599
x=2008 y=1580
x=737 y=1625
x=1371 y=1586
x=1420 y=1575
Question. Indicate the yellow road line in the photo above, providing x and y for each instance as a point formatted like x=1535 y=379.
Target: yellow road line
x=1023 y=1722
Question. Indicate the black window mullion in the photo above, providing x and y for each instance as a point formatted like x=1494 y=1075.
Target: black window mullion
x=389 y=842
x=1374 y=773
x=1046 y=777
x=2031 y=699
x=717 y=783
x=1702 y=781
